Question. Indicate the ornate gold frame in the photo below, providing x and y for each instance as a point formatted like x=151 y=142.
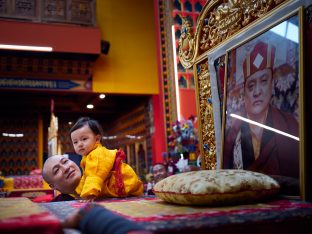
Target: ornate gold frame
x=220 y=26
x=218 y=22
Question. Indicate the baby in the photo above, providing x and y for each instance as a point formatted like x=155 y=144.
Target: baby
x=104 y=173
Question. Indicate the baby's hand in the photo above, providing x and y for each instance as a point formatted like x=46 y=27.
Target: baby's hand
x=88 y=199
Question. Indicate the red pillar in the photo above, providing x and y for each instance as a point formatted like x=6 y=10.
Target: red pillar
x=158 y=136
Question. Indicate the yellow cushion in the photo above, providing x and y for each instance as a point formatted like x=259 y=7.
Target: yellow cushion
x=215 y=187
x=8 y=184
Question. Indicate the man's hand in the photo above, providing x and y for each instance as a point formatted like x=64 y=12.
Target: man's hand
x=72 y=221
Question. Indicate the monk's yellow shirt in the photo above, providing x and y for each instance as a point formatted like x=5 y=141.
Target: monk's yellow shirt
x=98 y=176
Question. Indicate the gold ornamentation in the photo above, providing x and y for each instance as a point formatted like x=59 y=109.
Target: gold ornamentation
x=223 y=22
x=218 y=21
x=253 y=9
x=186 y=43
x=206 y=117
x=229 y=17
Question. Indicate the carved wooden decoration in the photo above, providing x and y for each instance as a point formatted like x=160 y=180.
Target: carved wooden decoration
x=206 y=117
x=218 y=21
x=54 y=146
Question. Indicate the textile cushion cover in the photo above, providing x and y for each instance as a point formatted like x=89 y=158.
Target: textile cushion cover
x=216 y=187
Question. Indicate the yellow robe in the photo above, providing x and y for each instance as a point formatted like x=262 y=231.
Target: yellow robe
x=98 y=177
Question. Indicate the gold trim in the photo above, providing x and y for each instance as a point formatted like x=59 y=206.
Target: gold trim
x=302 y=153
x=205 y=112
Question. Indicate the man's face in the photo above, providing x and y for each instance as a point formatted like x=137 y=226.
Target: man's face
x=159 y=172
x=63 y=174
x=258 y=92
x=84 y=140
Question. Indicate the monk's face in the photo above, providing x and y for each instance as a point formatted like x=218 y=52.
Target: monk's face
x=62 y=174
x=258 y=92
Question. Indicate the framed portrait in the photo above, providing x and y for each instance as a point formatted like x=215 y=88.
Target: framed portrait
x=262 y=125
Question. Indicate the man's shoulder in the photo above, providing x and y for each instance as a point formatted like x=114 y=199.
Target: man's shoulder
x=284 y=120
x=281 y=115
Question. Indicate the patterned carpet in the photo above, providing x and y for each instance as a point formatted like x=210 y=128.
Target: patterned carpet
x=21 y=215
x=282 y=214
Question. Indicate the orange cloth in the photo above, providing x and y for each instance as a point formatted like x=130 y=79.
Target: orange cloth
x=99 y=176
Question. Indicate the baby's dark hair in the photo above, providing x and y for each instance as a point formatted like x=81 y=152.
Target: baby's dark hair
x=93 y=125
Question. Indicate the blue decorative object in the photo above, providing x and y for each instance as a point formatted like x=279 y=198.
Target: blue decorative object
x=206 y=147
x=198 y=70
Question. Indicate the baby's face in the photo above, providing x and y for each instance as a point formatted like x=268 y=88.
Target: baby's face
x=84 y=140
x=63 y=174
